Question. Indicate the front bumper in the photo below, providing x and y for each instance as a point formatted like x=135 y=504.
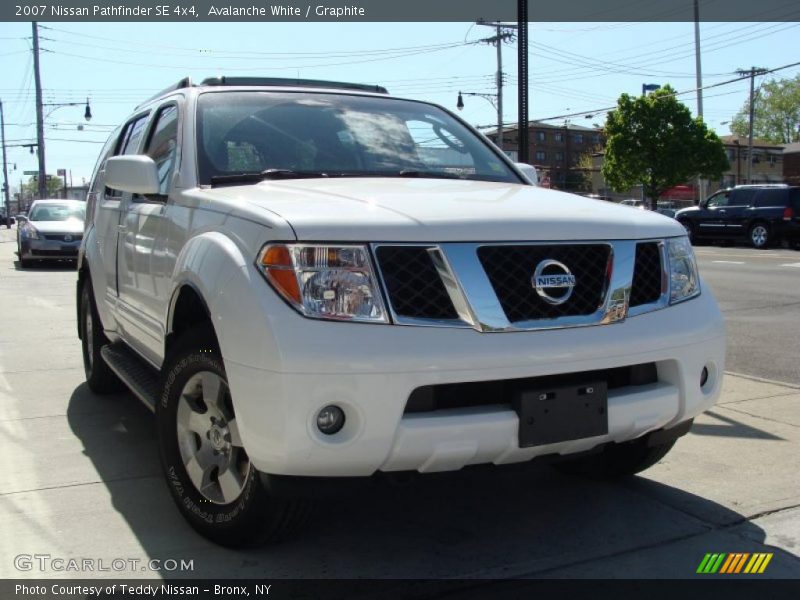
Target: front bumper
x=370 y=371
x=43 y=249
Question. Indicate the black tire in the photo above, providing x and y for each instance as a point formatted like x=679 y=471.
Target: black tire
x=255 y=516
x=760 y=235
x=617 y=461
x=25 y=263
x=100 y=378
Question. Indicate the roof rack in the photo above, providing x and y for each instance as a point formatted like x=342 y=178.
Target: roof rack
x=290 y=82
x=183 y=83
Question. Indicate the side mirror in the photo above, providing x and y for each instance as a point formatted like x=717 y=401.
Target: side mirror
x=21 y=219
x=529 y=172
x=134 y=173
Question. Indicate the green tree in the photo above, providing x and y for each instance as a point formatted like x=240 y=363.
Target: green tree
x=579 y=176
x=653 y=141
x=54 y=186
x=776 y=112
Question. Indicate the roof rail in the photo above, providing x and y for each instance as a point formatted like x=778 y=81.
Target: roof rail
x=290 y=82
x=183 y=83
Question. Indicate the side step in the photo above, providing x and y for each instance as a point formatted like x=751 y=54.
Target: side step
x=140 y=377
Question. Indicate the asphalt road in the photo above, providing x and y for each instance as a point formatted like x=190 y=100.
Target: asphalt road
x=81 y=479
x=759 y=294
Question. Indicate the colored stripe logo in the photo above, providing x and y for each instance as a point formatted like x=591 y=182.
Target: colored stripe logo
x=734 y=562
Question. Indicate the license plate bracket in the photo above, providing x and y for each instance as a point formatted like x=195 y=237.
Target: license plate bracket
x=549 y=415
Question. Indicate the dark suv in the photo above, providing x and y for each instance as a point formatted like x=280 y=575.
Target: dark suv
x=761 y=214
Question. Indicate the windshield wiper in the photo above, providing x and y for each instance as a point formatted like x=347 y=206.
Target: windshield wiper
x=431 y=174
x=266 y=174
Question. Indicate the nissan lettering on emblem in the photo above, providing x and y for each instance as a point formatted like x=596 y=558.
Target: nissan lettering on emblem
x=553 y=281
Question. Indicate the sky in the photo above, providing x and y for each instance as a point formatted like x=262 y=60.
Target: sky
x=573 y=67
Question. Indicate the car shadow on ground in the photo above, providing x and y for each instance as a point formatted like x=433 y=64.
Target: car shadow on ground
x=482 y=522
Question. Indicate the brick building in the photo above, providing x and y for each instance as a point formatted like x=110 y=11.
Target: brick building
x=791 y=163
x=557 y=151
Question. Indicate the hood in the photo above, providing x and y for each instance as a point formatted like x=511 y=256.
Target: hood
x=69 y=226
x=442 y=210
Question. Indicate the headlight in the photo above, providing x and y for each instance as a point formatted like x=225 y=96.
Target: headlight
x=684 y=282
x=30 y=231
x=325 y=282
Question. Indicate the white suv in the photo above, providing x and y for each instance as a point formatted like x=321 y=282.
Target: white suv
x=313 y=280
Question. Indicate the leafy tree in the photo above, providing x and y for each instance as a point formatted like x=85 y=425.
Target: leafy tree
x=776 y=112
x=579 y=177
x=654 y=141
x=54 y=186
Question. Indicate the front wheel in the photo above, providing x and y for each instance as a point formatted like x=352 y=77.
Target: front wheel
x=100 y=378
x=209 y=474
x=760 y=236
x=617 y=461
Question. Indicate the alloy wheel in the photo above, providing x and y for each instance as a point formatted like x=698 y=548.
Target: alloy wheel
x=208 y=439
x=759 y=235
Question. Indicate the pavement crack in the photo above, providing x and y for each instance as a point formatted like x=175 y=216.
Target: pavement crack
x=82 y=483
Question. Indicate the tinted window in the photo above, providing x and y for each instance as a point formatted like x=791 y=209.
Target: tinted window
x=770 y=198
x=742 y=197
x=163 y=145
x=720 y=199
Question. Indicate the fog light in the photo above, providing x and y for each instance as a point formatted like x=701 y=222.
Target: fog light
x=703 y=377
x=330 y=420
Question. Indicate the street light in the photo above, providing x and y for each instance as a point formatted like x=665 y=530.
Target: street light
x=40 y=145
x=491 y=99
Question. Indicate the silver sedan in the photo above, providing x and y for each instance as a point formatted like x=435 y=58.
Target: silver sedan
x=52 y=230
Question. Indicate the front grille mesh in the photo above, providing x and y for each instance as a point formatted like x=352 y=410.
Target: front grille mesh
x=647 y=274
x=414 y=287
x=510 y=268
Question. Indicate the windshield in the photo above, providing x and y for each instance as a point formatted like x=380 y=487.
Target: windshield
x=336 y=135
x=58 y=212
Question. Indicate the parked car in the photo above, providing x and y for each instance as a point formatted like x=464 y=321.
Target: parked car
x=759 y=214
x=634 y=203
x=667 y=212
x=53 y=230
x=308 y=281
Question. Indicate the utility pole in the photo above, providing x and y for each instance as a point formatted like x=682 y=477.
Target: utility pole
x=497 y=40
x=39 y=113
x=5 y=166
x=522 y=81
x=701 y=183
x=751 y=72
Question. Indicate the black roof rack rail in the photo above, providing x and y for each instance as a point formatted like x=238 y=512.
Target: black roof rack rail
x=183 y=83
x=291 y=82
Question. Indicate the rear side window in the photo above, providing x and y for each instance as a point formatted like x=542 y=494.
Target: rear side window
x=766 y=198
x=162 y=146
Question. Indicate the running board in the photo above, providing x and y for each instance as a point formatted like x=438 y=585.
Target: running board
x=140 y=377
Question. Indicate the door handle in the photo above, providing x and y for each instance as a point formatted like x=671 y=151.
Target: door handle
x=122 y=227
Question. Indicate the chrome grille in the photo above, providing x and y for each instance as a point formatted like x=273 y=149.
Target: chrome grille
x=510 y=268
